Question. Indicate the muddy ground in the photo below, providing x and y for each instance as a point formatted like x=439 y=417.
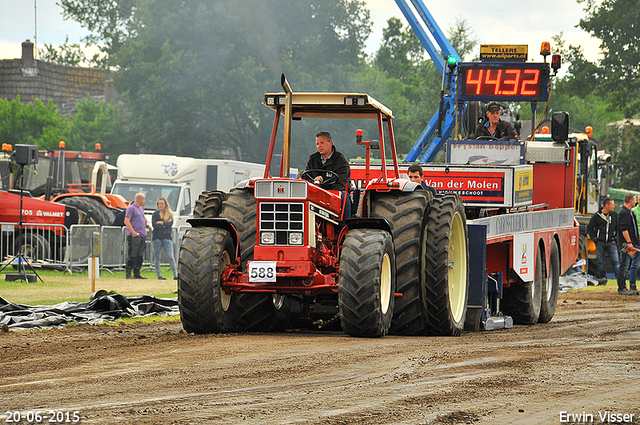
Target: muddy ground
x=586 y=361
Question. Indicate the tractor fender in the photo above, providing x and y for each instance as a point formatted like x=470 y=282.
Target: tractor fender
x=242 y=184
x=363 y=223
x=246 y=183
x=220 y=223
x=411 y=187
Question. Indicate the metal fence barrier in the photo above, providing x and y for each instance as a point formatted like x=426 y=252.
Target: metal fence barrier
x=81 y=242
x=113 y=253
x=43 y=244
x=57 y=246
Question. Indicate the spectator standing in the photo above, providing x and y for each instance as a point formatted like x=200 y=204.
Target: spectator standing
x=136 y=224
x=162 y=221
x=628 y=241
x=603 y=229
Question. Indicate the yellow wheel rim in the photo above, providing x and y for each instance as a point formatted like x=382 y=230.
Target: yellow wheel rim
x=385 y=284
x=457 y=278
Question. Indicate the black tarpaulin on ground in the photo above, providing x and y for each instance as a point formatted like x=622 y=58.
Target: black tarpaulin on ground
x=103 y=308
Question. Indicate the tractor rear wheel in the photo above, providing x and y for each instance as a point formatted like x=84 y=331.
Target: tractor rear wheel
x=90 y=210
x=240 y=209
x=204 y=306
x=551 y=286
x=523 y=301
x=447 y=260
x=367 y=284
x=405 y=212
x=208 y=204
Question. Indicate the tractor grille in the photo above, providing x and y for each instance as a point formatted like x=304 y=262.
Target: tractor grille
x=281 y=189
x=283 y=220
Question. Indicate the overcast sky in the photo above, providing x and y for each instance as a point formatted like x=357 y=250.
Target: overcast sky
x=523 y=22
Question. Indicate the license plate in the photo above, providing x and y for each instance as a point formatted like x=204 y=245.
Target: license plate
x=262 y=271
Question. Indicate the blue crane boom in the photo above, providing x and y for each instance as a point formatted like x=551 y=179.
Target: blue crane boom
x=433 y=136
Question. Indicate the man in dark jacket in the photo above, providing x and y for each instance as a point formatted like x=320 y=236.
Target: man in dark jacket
x=629 y=242
x=329 y=159
x=603 y=230
x=494 y=126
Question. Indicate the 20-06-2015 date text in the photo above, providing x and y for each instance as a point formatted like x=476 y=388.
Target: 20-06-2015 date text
x=44 y=416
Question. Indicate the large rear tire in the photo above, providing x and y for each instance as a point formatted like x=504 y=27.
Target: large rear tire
x=405 y=212
x=447 y=271
x=204 y=307
x=90 y=210
x=367 y=284
x=240 y=209
x=522 y=302
x=208 y=204
x=551 y=286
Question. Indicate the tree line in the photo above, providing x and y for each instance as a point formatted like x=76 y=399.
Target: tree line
x=192 y=75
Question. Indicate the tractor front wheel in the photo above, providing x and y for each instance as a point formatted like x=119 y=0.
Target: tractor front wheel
x=367 y=283
x=204 y=306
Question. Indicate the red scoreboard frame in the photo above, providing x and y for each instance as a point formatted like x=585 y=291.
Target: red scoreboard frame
x=506 y=81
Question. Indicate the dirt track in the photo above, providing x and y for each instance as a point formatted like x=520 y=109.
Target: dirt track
x=586 y=360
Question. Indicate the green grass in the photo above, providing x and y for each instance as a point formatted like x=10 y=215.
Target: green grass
x=57 y=287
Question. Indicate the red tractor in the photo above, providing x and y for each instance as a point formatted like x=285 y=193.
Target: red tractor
x=78 y=179
x=276 y=247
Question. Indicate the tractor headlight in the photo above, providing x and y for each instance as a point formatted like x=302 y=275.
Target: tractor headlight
x=295 y=238
x=267 y=238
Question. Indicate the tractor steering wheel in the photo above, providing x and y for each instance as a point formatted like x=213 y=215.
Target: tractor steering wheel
x=486 y=138
x=328 y=176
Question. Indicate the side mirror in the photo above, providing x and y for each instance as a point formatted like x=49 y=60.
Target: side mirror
x=560 y=126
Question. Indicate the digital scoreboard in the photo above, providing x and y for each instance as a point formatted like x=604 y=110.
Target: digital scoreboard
x=503 y=81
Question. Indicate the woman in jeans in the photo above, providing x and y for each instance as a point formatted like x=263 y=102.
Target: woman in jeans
x=162 y=221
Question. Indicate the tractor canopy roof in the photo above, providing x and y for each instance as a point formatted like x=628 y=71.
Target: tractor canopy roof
x=330 y=105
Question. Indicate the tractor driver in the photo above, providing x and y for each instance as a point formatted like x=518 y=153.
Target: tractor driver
x=493 y=126
x=328 y=158
x=415 y=175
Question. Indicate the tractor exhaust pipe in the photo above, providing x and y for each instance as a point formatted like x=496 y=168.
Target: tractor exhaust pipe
x=286 y=149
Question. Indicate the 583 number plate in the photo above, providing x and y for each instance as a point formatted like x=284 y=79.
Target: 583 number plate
x=262 y=271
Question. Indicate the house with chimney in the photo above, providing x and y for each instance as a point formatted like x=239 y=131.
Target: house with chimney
x=65 y=85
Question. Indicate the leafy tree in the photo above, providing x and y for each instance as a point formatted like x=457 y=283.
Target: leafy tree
x=462 y=39
x=33 y=124
x=615 y=22
x=110 y=23
x=194 y=73
x=98 y=122
x=624 y=142
x=68 y=54
x=410 y=82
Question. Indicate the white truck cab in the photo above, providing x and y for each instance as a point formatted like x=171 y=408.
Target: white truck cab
x=178 y=179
